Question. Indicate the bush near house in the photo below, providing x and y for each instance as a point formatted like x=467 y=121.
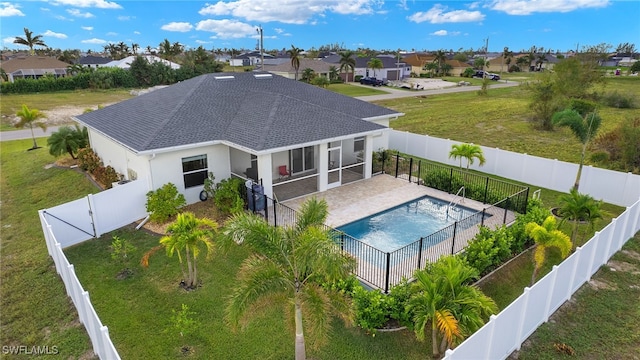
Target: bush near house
x=164 y=203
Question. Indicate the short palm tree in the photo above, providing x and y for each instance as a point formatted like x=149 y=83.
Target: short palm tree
x=288 y=265
x=28 y=117
x=308 y=74
x=583 y=126
x=294 y=55
x=30 y=40
x=445 y=301
x=467 y=151
x=439 y=58
x=185 y=237
x=375 y=63
x=67 y=140
x=578 y=207
x=347 y=62
x=546 y=236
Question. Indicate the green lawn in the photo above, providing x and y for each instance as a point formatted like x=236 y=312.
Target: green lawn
x=501 y=120
x=355 y=90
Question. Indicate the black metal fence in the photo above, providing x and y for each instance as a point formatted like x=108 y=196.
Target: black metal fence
x=381 y=269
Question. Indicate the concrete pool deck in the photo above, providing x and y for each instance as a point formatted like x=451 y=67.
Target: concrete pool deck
x=363 y=198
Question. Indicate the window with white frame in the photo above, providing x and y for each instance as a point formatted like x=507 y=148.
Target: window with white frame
x=194 y=170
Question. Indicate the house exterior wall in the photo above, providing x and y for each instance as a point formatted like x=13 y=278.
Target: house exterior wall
x=124 y=161
x=167 y=168
x=380 y=141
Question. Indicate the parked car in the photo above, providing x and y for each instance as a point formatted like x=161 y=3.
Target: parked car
x=371 y=81
x=490 y=76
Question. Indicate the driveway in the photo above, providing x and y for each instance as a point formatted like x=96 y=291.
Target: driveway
x=397 y=93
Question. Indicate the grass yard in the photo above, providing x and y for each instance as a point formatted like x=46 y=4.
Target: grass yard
x=35 y=308
x=355 y=90
x=601 y=320
x=500 y=120
x=10 y=104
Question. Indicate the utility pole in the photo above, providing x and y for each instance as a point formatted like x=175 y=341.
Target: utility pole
x=259 y=30
x=484 y=65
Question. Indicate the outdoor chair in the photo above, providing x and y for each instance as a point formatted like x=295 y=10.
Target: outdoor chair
x=283 y=172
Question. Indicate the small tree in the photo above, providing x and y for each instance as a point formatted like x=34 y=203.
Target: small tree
x=467 y=151
x=546 y=236
x=584 y=124
x=578 y=207
x=68 y=140
x=121 y=249
x=164 y=203
x=28 y=118
x=182 y=322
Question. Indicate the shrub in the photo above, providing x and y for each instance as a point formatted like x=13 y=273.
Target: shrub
x=398 y=300
x=164 y=203
x=514 y=68
x=106 y=176
x=468 y=72
x=537 y=213
x=88 y=160
x=488 y=249
x=227 y=196
x=620 y=101
x=357 y=78
x=371 y=308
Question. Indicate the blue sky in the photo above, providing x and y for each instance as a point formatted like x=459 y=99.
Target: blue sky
x=377 y=24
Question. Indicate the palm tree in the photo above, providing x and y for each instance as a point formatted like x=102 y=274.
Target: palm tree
x=431 y=67
x=288 y=265
x=375 y=63
x=294 y=54
x=166 y=51
x=579 y=207
x=546 y=236
x=67 y=140
x=583 y=126
x=506 y=56
x=333 y=73
x=540 y=59
x=186 y=234
x=444 y=299
x=439 y=58
x=28 y=117
x=347 y=62
x=307 y=75
x=522 y=61
x=29 y=40
x=467 y=151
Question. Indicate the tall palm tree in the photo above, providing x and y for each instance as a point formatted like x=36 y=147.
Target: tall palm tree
x=375 y=63
x=439 y=58
x=166 y=51
x=506 y=57
x=294 y=55
x=347 y=62
x=467 y=151
x=540 y=59
x=546 y=236
x=444 y=300
x=28 y=117
x=67 y=140
x=333 y=73
x=187 y=234
x=288 y=265
x=29 y=40
x=583 y=126
x=578 y=207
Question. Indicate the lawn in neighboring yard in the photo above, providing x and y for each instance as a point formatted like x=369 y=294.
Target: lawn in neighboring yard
x=355 y=90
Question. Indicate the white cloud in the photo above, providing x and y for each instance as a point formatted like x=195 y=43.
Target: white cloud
x=527 y=7
x=111 y=33
x=289 y=12
x=101 y=4
x=278 y=30
x=125 y=17
x=438 y=14
x=54 y=34
x=137 y=32
x=9 y=40
x=94 y=41
x=78 y=13
x=204 y=42
x=177 y=26
x=9 y=9
x=439 y=33
x=227 y=29
x=45 y=9
x=403 y=4
x=88 y=28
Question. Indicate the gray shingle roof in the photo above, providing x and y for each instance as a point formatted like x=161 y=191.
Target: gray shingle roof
x=259 y=113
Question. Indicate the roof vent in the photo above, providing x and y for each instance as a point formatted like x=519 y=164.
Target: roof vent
x=226 y=77
x=263 y=76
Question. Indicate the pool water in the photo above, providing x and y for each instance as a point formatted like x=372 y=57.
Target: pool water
x=399 y=226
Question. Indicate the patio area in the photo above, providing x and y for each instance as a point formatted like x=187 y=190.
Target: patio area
x=362 y=198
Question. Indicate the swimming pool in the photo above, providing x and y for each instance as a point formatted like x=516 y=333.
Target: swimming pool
x=396 y=227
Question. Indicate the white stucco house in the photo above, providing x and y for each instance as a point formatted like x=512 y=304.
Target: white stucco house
x=126 y=62
x=292 y=137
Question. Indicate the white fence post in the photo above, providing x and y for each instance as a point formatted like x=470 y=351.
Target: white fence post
x=491 y=327
x=592 y=258
x=572 y=279
x=94 y=217
x=554 y=276
x=523 y=316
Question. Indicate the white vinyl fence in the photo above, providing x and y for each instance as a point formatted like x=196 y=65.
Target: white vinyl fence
x=505 y=332
x=613 y=187
x=83 y=219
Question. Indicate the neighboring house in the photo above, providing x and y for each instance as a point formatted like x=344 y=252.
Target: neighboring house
x=391 y=68
x=33 y=67
x=251 y=58
x=94 y=62
x=320 y=68
x=417 y=62
x=293 y=138
x=126 y=62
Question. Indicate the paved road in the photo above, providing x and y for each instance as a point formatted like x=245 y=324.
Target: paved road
x=397 y=93
x=392 y=94
x=26 y=133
